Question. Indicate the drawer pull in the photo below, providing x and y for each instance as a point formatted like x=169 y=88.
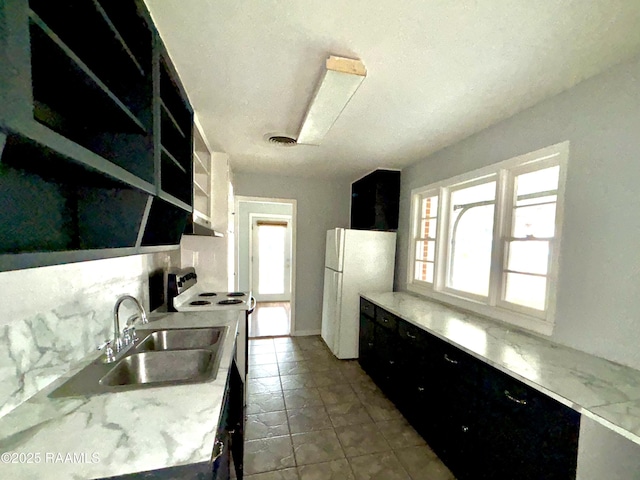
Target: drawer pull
x=514 y=399
x=450 y=360
x=421 y=389
x=465 y=429
x=391 y=362
x=412 y=337
x=370 y=344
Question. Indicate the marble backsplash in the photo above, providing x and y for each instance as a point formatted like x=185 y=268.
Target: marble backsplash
x=54 y=316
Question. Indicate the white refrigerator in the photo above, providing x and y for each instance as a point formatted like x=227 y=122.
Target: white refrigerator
x=355 y=261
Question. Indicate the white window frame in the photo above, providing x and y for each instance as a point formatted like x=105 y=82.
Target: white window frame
x=492 y=306
x=416 y=234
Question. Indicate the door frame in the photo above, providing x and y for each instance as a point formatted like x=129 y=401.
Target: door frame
x=294 y=220
x=253 y=218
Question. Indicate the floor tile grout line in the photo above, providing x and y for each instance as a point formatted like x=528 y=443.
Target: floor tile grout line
x=286 y=413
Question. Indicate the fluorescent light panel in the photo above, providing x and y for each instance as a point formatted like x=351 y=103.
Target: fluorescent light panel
x=341 y=79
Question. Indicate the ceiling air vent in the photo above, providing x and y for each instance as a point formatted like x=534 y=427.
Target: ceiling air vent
x=281 y=140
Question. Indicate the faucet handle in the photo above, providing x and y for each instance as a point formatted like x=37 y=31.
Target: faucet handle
x=108 y=351
x=129 y=335
x=126 y=336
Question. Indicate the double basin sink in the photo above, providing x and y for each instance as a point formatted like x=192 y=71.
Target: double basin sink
x=162 y=357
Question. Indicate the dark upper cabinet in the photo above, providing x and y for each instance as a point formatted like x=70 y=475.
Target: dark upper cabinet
x=95 y=134
x=375 y=201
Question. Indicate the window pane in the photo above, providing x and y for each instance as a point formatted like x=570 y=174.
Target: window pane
x=471 y=240
x=529 y=257
x=477 y=193
x=428 y=228
x=538 y=221
x=271 y=264
x=425 y=250
x=526 y=290
x=538 y=181
x=424 y=271
x=429 y=207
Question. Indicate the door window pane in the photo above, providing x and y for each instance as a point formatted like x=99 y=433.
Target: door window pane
x=471 y=238
x=529 y=257
x=271 y=259
x=526 y=290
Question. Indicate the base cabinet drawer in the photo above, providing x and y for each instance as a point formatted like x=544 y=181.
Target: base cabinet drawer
x=532 y=436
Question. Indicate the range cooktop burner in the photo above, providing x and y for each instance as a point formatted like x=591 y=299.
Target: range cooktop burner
x=229 y=302
x=236 y=294
x=200 y=302
x=208 y=294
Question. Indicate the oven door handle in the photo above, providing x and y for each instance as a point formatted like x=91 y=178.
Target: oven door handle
x=252 y=305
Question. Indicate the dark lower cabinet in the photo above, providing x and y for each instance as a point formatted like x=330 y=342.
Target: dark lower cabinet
x=229 y=446
x=531 y=435
x=482 y=423
x=366 y=351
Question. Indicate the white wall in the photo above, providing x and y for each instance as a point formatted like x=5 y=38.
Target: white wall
x=245 y=209
x=598 y=305
x=208 y=255
x=322 y=204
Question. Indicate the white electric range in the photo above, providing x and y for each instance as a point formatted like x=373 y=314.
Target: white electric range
x=202 y=298
x=185 y=294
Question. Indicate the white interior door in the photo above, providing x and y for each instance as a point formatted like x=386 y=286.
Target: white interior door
x=271 y=259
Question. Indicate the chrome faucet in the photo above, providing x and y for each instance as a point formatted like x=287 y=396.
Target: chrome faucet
x=129 y=334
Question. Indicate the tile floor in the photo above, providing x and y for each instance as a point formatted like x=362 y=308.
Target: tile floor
x=311 y=416
x=270 y=319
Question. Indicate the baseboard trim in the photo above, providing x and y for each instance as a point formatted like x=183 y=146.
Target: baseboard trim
x=305 y=333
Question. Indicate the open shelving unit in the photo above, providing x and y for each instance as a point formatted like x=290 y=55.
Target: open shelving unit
x=202 y=180
x=176 y=120
x=96 y=156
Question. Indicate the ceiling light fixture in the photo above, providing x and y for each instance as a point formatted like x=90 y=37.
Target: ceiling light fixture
x=341 y=79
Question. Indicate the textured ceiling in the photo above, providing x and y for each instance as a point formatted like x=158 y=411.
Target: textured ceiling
x=437 y=71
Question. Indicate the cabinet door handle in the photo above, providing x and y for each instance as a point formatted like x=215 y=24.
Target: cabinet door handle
x=421 y=389
x=514 y=399
x=450 y=360
x=370 y=344
x=385 y=320
x=465 y=429
x=391 y=362
x=219 y=447
x=412 y=337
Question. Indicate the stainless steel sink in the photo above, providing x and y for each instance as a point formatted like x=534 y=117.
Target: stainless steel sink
x=163 y=357
x=159 y=367
x=180 y=339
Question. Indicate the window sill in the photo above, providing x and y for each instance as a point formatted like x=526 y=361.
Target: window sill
x=526 y=322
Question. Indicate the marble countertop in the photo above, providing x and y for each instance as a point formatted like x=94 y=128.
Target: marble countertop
x=124 y=432
x=607 y=392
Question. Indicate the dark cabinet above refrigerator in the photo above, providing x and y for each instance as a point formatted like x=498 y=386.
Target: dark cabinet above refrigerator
x=375 y=201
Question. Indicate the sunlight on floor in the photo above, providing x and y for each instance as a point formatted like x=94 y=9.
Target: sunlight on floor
x=270 y=319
